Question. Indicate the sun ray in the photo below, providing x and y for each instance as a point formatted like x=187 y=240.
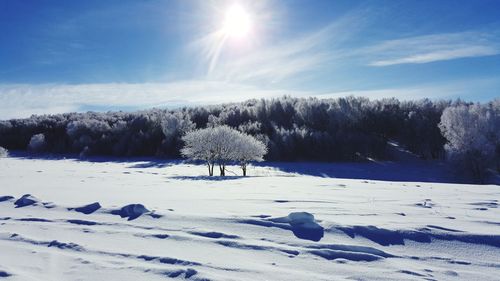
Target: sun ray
x=216 y=53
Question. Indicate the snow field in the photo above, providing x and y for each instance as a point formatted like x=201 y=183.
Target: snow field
x=78 y=224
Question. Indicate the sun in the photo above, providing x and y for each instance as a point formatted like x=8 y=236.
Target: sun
x=237 y=22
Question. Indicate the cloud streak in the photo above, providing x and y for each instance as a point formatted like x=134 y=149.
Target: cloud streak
x=433 y=48
x=443 y=90
x=17 y=101
x=284 y=59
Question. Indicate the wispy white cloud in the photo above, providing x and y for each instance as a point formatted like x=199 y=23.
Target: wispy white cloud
x=441 y=55
x=480 y=89
x=18 y=101
x=432 y=48
x=287 y=58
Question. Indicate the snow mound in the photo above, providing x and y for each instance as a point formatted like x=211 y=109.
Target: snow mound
x=131 y=211
x=303 y=225
x=6 y=198
x=89 y=209
x=25 y=200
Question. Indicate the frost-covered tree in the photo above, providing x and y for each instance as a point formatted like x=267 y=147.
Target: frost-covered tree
x=472 y=133
x=246 y=149
x=222 y=145
x=3 y=152
x=84 y=132
x=223 y=141
x=198 y=146
x=174 y=126
x=213 y=145
x=294 y=129
x=37 y=143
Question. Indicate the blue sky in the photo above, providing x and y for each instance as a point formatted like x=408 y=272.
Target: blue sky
x=59 y=56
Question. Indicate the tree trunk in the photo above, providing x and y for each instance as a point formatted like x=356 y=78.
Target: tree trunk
x=222 y=168
x=244 y=168
x=210 y=171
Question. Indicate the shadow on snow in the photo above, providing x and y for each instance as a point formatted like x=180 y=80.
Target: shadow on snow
x=425 y=171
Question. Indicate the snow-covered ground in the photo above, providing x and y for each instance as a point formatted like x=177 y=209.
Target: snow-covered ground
x=264 y=227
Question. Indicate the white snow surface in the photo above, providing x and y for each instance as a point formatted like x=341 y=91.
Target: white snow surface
x=187 y=226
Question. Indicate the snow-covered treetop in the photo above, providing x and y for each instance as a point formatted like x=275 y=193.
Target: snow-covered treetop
x=222 y=143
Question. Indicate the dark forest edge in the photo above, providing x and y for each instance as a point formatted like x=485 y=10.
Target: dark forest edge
x=294 y=129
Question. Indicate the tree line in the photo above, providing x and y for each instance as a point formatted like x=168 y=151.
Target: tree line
x=293 y=129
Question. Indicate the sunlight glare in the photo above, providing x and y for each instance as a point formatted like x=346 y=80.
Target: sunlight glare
x=237 y=22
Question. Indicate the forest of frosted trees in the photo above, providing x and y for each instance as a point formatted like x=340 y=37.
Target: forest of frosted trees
x=293 y=129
